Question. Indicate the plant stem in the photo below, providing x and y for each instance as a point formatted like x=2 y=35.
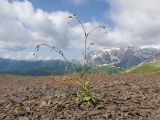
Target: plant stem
x=85 y=51
x=54 y=49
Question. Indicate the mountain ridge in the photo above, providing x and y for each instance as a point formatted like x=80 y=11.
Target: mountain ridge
x=123 y=57
x=119 y=58
x=23 y=67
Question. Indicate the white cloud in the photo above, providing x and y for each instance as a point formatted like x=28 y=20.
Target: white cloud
x=44 y=26
x=136 y=22
x=12 y=32
x=22 y=27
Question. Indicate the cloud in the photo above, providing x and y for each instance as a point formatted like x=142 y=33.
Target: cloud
x=44 y=26
x=136 y=22
x=12 y=32
x=22 y=27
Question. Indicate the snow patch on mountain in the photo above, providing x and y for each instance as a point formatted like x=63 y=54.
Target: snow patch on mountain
x=122 y=57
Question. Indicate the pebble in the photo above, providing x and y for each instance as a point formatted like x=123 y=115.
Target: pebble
x=23 y=118
x=94 y=112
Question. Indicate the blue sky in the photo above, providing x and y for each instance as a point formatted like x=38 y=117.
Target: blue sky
x=25 y=23
x=87 y=11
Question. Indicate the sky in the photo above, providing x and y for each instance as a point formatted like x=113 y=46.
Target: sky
x=26 y=23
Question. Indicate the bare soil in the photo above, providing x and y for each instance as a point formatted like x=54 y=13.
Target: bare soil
x=124 y=97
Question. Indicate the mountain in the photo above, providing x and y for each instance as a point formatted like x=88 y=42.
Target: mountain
x=22 y=67
x=114 y=60
x=122 y=57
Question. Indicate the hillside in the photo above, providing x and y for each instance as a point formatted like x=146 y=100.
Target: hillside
x=40 y=68
x=106 y=69
x=147 y=67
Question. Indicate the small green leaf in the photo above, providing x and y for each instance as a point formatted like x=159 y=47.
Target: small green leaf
x=88 y=98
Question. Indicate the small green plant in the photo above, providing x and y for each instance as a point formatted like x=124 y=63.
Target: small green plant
x=83 y=94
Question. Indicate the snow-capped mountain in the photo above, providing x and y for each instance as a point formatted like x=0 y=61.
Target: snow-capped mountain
x=122 y=57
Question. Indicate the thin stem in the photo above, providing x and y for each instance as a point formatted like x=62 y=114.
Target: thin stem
x=85 y=51
x=85 y=33
x=86 y=36
x=94 y=29
x=56 y=50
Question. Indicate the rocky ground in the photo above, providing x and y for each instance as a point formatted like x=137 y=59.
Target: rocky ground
x=124 y=97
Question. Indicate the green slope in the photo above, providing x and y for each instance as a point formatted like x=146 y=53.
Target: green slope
x=106 y=69
x=146 y=68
